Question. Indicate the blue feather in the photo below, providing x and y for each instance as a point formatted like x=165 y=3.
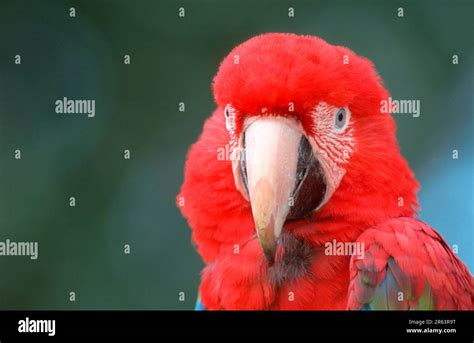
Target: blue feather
x=199 y=306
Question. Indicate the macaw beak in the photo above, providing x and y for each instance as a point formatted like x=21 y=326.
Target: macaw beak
x=278 y=161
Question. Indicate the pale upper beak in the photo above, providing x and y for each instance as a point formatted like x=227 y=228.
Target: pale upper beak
x=276 y=165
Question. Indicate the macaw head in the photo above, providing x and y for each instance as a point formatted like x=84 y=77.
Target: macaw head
x=308 y=138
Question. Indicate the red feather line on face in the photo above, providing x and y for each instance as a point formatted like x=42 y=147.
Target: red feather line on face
x=276 y=70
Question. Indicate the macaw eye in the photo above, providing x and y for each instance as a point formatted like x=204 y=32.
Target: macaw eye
x=227 y=112
x=340 y=119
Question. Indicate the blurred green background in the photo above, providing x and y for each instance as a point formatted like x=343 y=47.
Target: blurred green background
x=173 y=60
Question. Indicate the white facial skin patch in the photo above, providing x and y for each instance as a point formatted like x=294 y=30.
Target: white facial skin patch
x=332 y=141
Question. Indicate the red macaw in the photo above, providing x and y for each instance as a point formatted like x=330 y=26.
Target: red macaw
x=298 y=196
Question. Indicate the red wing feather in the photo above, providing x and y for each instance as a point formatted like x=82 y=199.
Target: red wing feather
x=408 y=265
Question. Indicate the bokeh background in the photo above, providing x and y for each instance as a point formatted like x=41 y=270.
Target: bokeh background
x=173 y=60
